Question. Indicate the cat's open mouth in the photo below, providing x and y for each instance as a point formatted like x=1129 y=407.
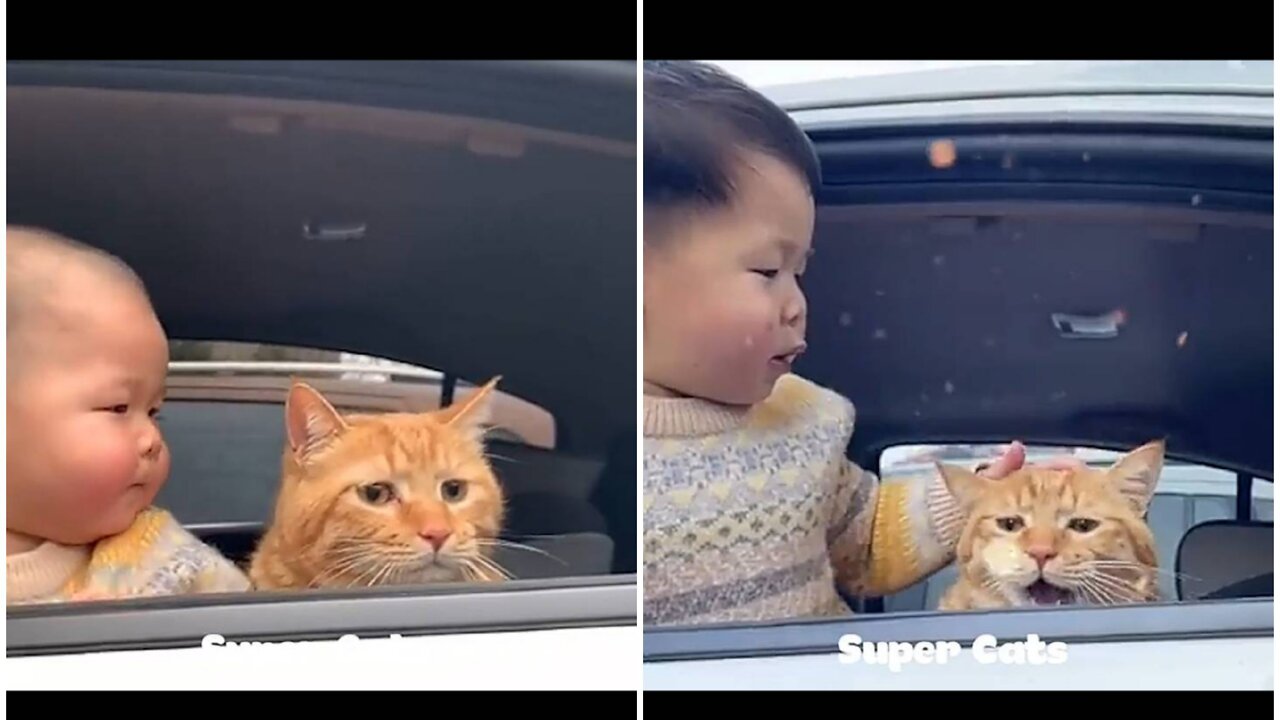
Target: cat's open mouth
x=1042 y=593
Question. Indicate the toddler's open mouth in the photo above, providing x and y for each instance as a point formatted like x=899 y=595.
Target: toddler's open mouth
x=787 y=358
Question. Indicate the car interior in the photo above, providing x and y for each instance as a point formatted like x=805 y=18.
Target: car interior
x=1073 y=286
x=229 y=454
x=473 y=217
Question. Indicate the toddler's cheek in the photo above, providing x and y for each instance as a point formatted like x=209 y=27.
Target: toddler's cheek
x=107 y=476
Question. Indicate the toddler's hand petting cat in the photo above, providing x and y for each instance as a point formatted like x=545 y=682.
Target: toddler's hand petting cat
x=1015 y=456
x=1010 y=461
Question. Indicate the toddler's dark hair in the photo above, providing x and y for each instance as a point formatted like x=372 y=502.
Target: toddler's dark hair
x=697 y=117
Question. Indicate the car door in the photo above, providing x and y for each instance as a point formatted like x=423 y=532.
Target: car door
x=435 y=214
x=1076 y=255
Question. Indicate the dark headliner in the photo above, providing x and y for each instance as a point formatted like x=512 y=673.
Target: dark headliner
x=935 y=320
x=932 y=289
x=475 y=264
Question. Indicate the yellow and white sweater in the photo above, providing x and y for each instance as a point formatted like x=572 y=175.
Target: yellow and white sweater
x=155 y=556
x=756 y=513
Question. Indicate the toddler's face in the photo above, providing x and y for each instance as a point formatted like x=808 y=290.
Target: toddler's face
x=85 y=454
x=724 y=316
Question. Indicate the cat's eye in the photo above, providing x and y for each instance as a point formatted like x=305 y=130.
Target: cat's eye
x=1082 y=525
x=379 y=493
x=1012 y=523
x=453 y=490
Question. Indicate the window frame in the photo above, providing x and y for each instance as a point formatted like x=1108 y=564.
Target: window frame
x=1139 y=622
x=159 y=623
x=422 y=379
x=1214 y=619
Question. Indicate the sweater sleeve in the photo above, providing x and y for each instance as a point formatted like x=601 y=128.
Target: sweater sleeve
x=178 y=563
x=887 y=535
x=218 y=574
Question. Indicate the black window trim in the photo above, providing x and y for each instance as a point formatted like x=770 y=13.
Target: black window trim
x=1128 y=623
x=184 y=621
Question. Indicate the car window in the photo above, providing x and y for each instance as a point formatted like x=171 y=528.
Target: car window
x=223 y=419
x=209 y=372
x=1188 y=495
x=420 y=213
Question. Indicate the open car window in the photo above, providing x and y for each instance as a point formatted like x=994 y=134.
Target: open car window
x=223 y=420
x=394 y=234
x=1080 y=258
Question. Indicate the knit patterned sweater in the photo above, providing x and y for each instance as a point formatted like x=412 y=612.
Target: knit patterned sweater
x=756 y=514
x=155 y=556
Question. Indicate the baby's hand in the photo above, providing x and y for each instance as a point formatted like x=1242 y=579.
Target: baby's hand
x=1010 y=461
x=1015 y=456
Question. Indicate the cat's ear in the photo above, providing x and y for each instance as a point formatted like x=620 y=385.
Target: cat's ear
x=966 y=486
x=472 y=413
x=310 y=420
x=1136 y=474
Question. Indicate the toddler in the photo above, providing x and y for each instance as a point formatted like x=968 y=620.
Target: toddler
x=751 y=510
x=87 y=360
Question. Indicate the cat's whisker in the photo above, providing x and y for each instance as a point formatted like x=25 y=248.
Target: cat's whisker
x=1129 y=565
x=490 y=573
x=1092 y=595
x=374 y=570
x=468 y=572
x=491 y=564
x=1098 y=595
x=496 y=573
x=492 y=542
x=1116 y=588
x=340 y=568
x=373 y=579
x=392 y=572
x=476 y=573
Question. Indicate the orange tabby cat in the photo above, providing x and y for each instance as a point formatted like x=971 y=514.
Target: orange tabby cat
x=1056 y=537
x=382 y=499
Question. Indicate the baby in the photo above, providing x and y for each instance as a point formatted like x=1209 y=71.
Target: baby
x=87 y=360
x=751 y=510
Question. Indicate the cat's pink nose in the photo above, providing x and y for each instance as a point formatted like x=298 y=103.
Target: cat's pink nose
x=1041 y=553
x=435 y=536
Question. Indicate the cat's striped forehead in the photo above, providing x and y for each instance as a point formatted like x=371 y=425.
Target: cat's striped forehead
x=1042 y=487
x=407 y=445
